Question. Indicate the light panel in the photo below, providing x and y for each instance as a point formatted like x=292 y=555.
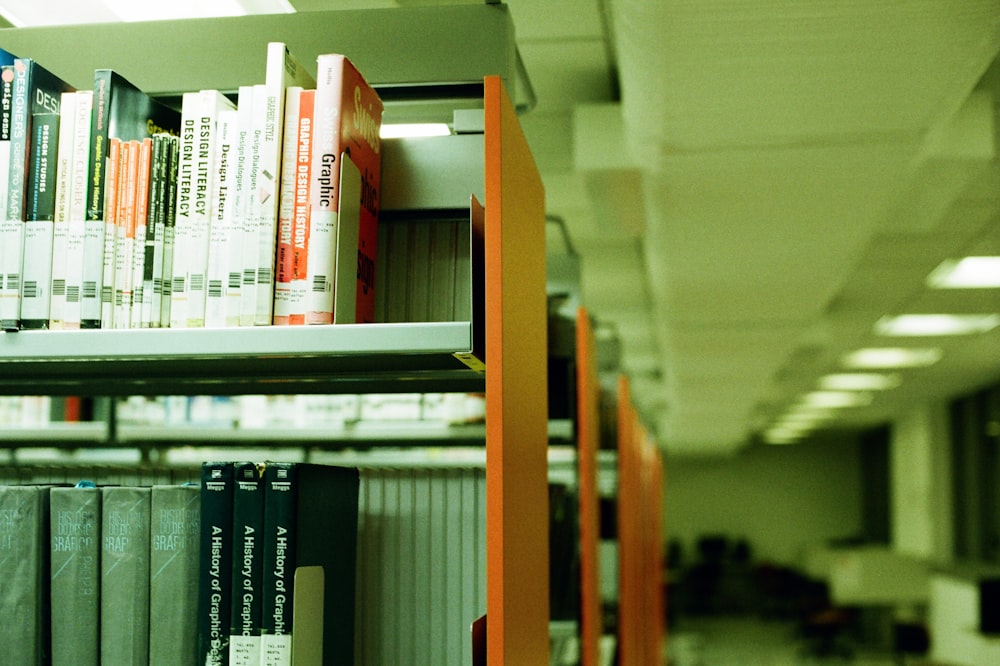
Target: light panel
x=967 y=273
x=920 y=325
x=885 y=358
x=859 y=381
x=410 y=130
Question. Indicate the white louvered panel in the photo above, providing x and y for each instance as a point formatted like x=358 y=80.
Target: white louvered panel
x=421 y=565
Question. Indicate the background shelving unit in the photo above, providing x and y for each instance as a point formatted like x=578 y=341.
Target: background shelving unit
x=403 y=53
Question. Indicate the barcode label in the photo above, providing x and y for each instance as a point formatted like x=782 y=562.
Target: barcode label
x=234 y=280
x=166 y=287
x=197 y=282
x=90 y=289
x=73 y=294
x=248 y=276
x=215 y=288
x=319 y=284
x=59 y=287
x=263 y=275
x=177 y=285
x=30 y=289
x=14 y=281
x=106 y=294
x=157 y=285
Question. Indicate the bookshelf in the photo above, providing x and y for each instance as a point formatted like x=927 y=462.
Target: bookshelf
x=450 y=58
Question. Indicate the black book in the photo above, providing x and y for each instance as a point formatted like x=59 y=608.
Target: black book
x=39 y=221
x=279 y=569
x=326 y=538
x=247 y=563
x=122 y=111
x=216 y=548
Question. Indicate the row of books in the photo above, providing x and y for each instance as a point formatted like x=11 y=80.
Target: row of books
x=197 y=573
x=301 y=410
x=233 y=210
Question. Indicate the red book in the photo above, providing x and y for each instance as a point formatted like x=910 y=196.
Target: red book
x=347 y=119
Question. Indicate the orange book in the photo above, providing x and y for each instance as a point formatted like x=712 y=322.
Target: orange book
x=347 y=119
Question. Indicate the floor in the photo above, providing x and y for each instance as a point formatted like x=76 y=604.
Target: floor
x=751 y=641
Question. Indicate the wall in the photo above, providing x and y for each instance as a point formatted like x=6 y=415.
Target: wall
x=780 y=498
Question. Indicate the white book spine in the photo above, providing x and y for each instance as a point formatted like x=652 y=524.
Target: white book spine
x=12 y=216
x=221 y=232
x=139 y=237
x=76 y=228
x=64 y=179
x=251 y=210
x=323 y=195
x=190 y=109
x=240 y=232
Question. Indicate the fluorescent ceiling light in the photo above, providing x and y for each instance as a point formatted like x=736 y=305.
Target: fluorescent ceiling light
x=936 y=324
x=967 y=273
x=837 y=399
x=884 y=358
x=859 y=381
x=409 y=130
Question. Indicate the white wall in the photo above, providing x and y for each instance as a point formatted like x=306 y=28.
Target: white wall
x=780 y=498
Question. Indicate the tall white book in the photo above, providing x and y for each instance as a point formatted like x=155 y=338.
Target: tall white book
x=224 y=229
x=199 y=119
x=76 y=227
x=250 y=205
x=64 y=181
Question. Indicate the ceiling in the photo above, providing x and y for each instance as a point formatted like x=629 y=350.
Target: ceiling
x=749 y=187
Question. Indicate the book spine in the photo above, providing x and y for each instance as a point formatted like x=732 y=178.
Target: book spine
x=152 y=288
x=114 y=205
x=24 y=526
x=75 y=577
x=6 y=102
x=12 y=222
x=76 y=229
x=324 y=187
x=300 y=226
x=221 y=229
x=173 y=578
x=251 y=208
x=139 y=241
x=39 y=221
x=286 y=209
x=96 y=243
x=247 y=563
x=125 y=575
x=215 y=563
x=183 y=231
x=279 y=539
x=169 y=230
x=125 y=233
x=64 y=179
x=241 y=232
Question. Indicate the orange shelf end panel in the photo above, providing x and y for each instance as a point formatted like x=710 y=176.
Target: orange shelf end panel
x=517 y=558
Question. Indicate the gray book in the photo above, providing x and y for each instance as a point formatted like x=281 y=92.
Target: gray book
x=75 y=579
x=23 y=563
x=125 y=575
x=173 y=576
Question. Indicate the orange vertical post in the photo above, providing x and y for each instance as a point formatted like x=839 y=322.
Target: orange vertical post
x=588 y=440
x=517 y=585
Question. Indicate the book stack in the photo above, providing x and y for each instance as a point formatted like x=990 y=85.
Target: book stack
x=182 y=574
x=121 y=212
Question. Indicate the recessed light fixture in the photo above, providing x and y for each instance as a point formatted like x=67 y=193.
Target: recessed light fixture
x=936 y=324
x=859 y=381
x=410 y=130
x=885 y=358
x=837 y=399
x=967 y=273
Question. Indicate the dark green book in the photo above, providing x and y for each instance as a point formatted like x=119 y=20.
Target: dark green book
x=75 y=579
x=173 y=575
x=24 y=618
x=125 y=575
x=123 y=111
x=215 y=563
x=247 y=563
x=39 y=221
x=322 y=534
